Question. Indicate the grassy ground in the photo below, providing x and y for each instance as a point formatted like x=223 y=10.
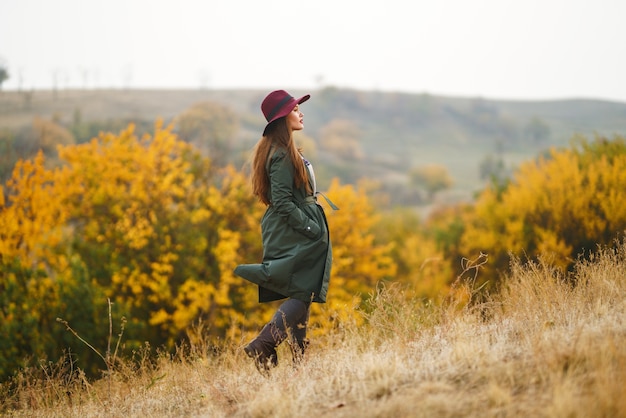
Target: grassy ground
x=542 y=348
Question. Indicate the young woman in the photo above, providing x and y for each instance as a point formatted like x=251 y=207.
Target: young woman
x=297 y=252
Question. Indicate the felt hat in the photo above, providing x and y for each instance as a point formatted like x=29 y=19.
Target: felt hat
x=279 y=103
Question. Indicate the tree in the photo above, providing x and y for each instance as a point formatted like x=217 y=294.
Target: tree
x=341 y=137
x=493 y=168
x=49 y=134
x=4 y=74
x=537 y=131
x=432 y=178
x=211 y=127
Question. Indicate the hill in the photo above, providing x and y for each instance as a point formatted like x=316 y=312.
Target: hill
x=396 y=131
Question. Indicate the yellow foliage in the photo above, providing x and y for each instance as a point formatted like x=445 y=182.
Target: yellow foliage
x=420 y=263
x=30 y=222
x=158 y=229
x=558 y=206
x=428 y=269
x=160 y=225
x=431 y=177
x=358 y=262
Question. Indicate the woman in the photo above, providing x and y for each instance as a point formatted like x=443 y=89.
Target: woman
x=297 y=253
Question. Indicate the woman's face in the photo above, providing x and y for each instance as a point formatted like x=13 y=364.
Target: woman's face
x=295 y=119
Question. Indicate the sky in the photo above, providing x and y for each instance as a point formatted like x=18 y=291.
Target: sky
x=498 y=49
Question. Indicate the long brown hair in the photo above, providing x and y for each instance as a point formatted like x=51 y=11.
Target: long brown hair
x=278 y=135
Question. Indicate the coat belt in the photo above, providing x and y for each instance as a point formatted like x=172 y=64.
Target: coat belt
x=306 y=201
x=313 y=199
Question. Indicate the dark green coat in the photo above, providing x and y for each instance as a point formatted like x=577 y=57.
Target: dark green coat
x=297 y=253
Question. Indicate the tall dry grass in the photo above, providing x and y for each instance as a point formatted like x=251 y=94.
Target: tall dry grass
x=549 y=345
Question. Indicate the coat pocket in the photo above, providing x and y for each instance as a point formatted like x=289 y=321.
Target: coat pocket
x=312 y=230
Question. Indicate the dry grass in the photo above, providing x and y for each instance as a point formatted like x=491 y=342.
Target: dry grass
x=543 y=348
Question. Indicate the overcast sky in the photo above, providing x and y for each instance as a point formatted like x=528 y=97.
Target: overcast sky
x=501 y=49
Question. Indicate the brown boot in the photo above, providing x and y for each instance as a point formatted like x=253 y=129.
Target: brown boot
x=263 y=348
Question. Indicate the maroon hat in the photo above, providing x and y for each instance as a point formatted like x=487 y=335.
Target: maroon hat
x=279 y=103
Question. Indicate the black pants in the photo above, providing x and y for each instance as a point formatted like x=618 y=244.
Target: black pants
x=292 y=318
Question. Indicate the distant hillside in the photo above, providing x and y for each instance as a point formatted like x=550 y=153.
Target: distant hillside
x=397 y=131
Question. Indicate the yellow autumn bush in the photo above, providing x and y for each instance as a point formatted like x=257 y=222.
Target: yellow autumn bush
x=158 y=229
x=560 y=206
x=359 y=262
